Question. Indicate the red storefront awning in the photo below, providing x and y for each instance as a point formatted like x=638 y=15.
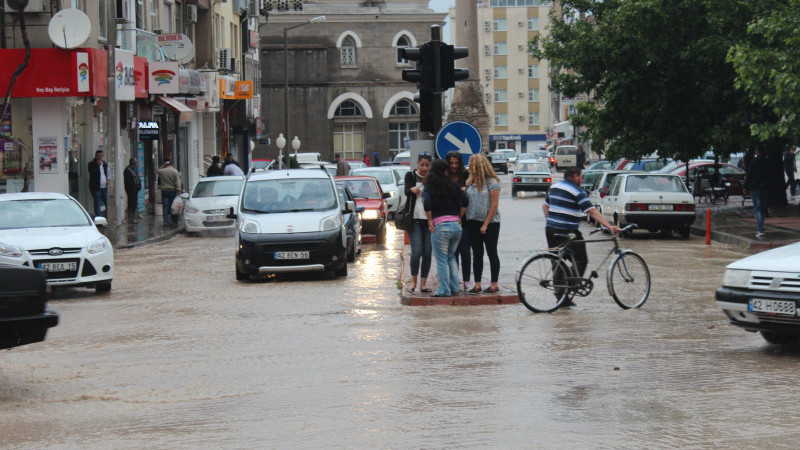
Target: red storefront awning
x=185 y=114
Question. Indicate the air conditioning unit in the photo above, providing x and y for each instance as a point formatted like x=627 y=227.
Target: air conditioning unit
x=486 y=50
x=487 y=26
x=122 y=11
x=224 y=59
x=252 y=8
x=33 y=6
x=521 y=71
x=520 y=24
x=521 y=95
x=191 y=13
x=521 y=47
x=521 y=118
x=233 y=65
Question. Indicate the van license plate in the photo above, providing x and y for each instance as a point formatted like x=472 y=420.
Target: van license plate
x=658 y=207
x=58 y=267
x=293 y=255
x=771 y=306
x=215 y=218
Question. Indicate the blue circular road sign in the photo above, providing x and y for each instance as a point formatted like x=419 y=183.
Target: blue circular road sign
x=458 y=136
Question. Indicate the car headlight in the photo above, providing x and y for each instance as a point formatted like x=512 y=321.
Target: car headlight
x=98 y=246
x=331 y=223
x=249 y=226
x=736 y=278
x=369 y=214
x=11 y=251
x=190 y=208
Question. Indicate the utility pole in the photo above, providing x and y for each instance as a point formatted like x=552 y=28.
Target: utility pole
x=111 y=124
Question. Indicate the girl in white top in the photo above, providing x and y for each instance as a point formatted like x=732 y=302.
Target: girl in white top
x=419 y=235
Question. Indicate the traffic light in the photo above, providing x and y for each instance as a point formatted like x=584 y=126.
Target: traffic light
x=450 y=74
x=430 y=111
x=423 y=74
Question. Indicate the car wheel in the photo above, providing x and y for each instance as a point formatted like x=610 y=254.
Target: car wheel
x=341 y=272
x=777 y=338
x=102 y=286
x=380 y=236
x=685 y=231
x=239 y=275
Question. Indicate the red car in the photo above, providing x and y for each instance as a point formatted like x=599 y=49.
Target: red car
x=367 y=192
x=732 y=176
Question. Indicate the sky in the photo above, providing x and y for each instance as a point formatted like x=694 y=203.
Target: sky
x=443 y=6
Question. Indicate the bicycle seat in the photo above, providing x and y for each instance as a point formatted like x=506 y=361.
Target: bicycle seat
x=570 y=236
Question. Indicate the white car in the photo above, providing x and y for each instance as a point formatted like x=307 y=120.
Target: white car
x=389 y=180
x=210 y=202
x=653 y=201
x=53 y=232
x=759 y=293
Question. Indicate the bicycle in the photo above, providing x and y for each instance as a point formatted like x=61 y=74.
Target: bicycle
x=549 y=278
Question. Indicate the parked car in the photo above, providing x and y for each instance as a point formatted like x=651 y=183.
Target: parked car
x=589 y=177
x=368 y=193
x=759 y=293
x=499 y=162
x=600 y=165
x=653 y=201
x=356 y=164
x=402 y=158
x=24 y=316
x=290 y=221
x=531 y=176
x=53 y=232
x=645 y=164
x=536 y=155
x=401 y=171
x=729 y=175
x=511 y=156
x=207 y=207
x=389 y=180
x=352 y=222
x=672 y=165
x=600 y=186
x=261 y=164
x=307 y=157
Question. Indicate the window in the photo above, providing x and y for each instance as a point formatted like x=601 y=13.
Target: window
x=102 y=32
x=533 y=23
x=348 y=108
x=348 y=55
x=533 y=119
x=348 y=140
x=500 y=72
x=401 y=44
x=398 y=131
x=403 y=108
x=500 y=48
x=502 y=3
x=141 y=20
x=501 y=120
x=166 y=26
x=153 y=14
x=533 y=95
x=487 y=97
x=501 y=96
x=533 y=71
x=499 y=24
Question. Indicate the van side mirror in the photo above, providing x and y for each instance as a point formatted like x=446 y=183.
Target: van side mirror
x=185 y=196
x=231 y=213
x=101 y=221
x=386 y=195
x=349 y=207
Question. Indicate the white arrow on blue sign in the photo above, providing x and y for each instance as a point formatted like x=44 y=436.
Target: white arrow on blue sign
x=458 y=136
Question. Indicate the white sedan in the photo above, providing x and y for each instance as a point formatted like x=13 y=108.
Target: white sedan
x=53 y=232
x=389 y=179
x=653 y=201
x=211 y=200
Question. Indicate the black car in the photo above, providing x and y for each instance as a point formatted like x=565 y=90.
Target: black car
x=499 y=162
x=24 y=317
x=352 y=221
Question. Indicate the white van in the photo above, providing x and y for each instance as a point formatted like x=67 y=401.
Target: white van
x=566 y=156
x=308 y=157
x=290 y=221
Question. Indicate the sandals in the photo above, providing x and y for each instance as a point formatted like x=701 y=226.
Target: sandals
x=474 y=290
x=423 y=290
x=411 y=290
x=490 y=290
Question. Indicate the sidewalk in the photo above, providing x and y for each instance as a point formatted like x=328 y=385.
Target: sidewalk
x=148 y=229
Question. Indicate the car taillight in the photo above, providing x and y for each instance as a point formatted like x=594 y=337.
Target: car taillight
x=547 y=180
x=516 y=179
x=636 y=207
x=684 y=207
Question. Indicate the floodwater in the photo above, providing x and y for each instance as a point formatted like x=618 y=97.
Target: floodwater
x=180 y=355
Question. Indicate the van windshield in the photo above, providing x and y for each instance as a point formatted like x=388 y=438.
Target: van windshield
x=288 y=195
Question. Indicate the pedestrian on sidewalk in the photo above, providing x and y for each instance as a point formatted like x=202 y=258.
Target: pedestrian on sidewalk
x=444 y=203
x=214 y=170
x=755 y=181
x=169 y=181
x=98 y=184
x=231 y=167
x=790 y=167
x=132 y=187
x=458 y=174
x=419 y=235
x=342 y=166
x=483 y=220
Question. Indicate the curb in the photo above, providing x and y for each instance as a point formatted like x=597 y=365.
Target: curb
x=153 y=240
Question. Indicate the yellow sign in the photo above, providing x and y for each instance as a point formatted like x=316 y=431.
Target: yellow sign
x=244 y=90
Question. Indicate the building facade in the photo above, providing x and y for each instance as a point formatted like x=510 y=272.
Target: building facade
x=345 y=91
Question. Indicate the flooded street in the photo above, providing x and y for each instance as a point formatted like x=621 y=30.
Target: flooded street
x=180 y=355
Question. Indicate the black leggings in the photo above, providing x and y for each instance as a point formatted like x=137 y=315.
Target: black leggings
x=477 y=241
x=578 y=248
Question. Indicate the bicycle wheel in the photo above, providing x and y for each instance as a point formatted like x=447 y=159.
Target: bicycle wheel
x=629 y=280
x=542 y=282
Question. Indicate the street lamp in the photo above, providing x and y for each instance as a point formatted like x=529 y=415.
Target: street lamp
x=280 y=142
x=286 y=69
x=295 y=146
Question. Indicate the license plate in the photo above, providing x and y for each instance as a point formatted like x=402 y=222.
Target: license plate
x=531 y=180
x=59 y=267
x=772 y=306
x=660 y=207
x=215 y=218
x=293 y=255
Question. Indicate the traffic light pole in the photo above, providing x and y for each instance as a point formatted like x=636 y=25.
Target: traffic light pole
x=436 y=42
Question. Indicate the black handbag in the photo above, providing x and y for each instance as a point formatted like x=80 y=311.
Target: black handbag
x=404 y=218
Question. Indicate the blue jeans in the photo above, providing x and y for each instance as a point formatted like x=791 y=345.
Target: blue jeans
x=420 y=237
x=100 y=202
x=759 y=202
x=167 y=196
x=445 y=242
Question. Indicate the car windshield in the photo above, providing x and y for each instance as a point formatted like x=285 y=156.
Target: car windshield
x=363 y=189
x=532 y=167
x=658 y=183
x=591 y=177
x=294 y=194
x=41 y=214
x=383 y=176
x=217 y=188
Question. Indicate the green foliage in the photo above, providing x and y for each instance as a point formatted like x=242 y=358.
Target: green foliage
x=655 y=72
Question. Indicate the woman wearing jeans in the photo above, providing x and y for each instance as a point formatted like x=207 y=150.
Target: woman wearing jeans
x=456 y=172
x=483 y=220
x=444 y=203
x=419 y=234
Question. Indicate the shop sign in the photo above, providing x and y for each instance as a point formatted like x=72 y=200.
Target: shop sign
x=183 y=80
x=148 y=130
x=82 y=71
x=516 y=137
x=11 y=157
x=140 y=76
x=55 y=72
x=212 y=93
x=196 y=103
x=227 y=87
x=163 y=78
x=195 y=85
x=243 y=90
x=124 y=80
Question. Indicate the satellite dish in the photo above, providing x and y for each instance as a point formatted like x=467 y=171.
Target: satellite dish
x=69 y=28
x=176 y=47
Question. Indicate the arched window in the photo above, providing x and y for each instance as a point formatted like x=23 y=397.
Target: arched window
x=348 y=55
x=348 y=136
x=403 y=125
x=402 y=43
x=348 y=108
